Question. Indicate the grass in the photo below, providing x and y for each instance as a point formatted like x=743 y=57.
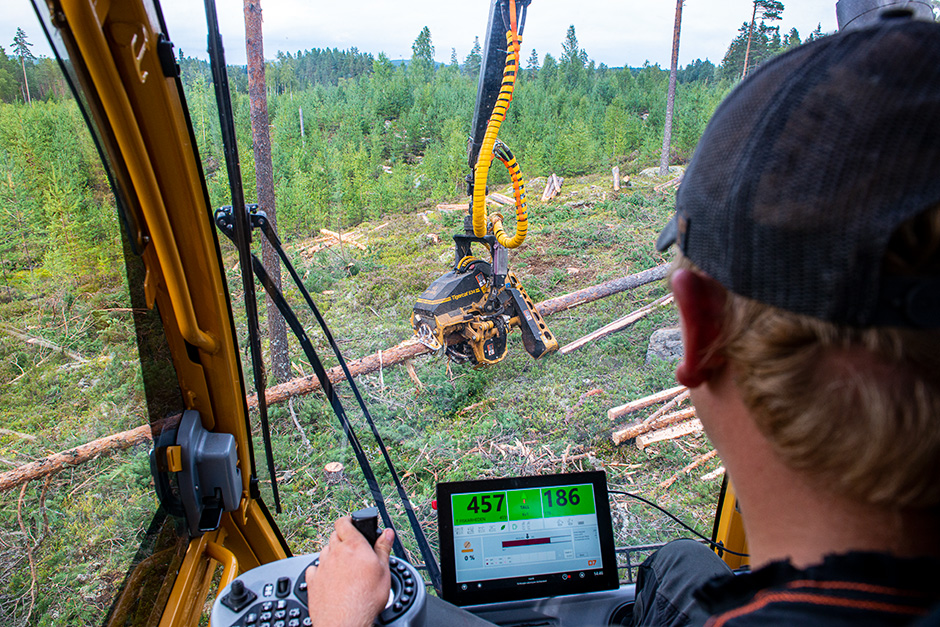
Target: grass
x=518 y=417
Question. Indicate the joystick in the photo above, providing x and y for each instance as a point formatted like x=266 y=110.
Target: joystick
x=239 y=597
x=367 y=522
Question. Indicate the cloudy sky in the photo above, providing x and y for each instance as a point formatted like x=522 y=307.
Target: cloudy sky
x=615 y=32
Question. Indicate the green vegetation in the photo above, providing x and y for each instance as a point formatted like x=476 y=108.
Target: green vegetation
x=359 y=142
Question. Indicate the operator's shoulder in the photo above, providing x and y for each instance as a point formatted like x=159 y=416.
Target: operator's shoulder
x=850 y=589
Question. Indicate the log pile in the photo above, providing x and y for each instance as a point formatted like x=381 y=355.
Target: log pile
x=670 y=184
x=669 y=422
x=552 y=187
x=666 y=423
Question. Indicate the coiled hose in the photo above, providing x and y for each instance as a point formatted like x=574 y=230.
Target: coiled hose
x=481 y=171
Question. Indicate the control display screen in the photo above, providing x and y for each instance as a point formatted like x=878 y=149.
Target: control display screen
x=525 y=537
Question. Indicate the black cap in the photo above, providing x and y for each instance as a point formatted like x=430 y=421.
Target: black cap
x=809 y=166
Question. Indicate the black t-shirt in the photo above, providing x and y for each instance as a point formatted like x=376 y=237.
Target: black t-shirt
x=851 y=589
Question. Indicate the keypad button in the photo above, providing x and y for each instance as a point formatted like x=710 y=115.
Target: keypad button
x=293 y=623
x=268 y=589
x=307 y=622
x=281 y=604
x=303 y=586
x=405 y=598
x=267 y=606
x=398 y=606
x=280 y=614
x=266 y=616
x=294 y=612
x=251 y=618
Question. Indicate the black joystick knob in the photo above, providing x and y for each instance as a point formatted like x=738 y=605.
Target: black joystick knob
x=238 y=597
x=367 y=522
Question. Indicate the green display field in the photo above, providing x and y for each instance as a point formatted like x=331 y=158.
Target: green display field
x=524 y=505
x=568 y=500
x=493 y=507
x=480 y=507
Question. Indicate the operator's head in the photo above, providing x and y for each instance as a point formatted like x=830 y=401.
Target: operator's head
x=813 y=199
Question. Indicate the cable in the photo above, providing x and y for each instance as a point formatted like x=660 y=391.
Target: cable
x=485 y=159
x=688 y=528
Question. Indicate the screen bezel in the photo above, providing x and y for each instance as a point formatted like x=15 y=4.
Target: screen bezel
x=451 y=590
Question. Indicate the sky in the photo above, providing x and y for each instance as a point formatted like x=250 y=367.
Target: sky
x=615 y=32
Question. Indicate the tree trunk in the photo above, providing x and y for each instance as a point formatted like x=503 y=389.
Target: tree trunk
x=671 y=96
x=264 y=180
x=750 y=33
x=25 y=80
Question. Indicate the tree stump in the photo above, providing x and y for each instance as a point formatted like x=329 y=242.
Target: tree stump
x=334 y=472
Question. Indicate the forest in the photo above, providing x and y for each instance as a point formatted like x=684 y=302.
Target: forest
x=364 y=143
x=354 y=136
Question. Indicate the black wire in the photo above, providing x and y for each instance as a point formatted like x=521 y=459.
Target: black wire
x=242 y=235
x=720 y=547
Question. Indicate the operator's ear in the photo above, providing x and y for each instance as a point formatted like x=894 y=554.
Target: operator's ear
x=701 y=302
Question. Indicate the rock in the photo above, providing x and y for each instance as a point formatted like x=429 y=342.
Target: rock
x=665 y=345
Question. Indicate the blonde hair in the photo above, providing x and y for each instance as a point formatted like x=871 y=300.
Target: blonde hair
x=856 y=408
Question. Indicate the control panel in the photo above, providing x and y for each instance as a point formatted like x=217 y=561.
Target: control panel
x=275 y=594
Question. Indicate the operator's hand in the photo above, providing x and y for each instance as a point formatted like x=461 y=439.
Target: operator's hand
x=351 y=585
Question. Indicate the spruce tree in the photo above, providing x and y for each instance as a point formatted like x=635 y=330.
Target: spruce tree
x=422 y=55
x=532 y=65
x=471 y=64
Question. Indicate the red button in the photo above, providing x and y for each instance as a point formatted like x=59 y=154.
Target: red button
x=434 y=504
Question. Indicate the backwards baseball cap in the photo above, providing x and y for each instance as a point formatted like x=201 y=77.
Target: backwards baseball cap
x=807 y=169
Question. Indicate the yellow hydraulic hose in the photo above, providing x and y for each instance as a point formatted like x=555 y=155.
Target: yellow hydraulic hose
x=518 y=187
x=485 y=159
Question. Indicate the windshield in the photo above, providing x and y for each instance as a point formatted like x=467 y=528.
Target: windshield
x=368 y=132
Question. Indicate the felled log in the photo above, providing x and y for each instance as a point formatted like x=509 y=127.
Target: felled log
x=616 y=173
x=86 y=452
x=344 y=238
x=445 y=208
x=408 y=349
x=698 y=461
x=675 y=182
x=500 y=199
x=669 y=433
x=715 y=474
x=643 y=403
x=659 y=413
x=603 y=290
x=17 y=434
x=636 y=430
x=411 y=348
x=617 y=325
x=38 y=341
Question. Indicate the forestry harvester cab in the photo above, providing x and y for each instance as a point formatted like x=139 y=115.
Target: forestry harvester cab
x=469 y=312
